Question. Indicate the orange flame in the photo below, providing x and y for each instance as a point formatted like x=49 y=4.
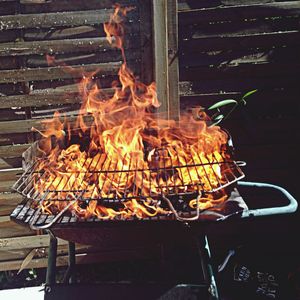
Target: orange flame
x=128 y=149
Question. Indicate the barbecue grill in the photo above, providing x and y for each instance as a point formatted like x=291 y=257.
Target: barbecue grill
x=173 y=198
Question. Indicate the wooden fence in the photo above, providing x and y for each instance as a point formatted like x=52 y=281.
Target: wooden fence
x=227 y=48
x=31 y=91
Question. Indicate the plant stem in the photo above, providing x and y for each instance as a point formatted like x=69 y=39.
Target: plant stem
x=230 y=112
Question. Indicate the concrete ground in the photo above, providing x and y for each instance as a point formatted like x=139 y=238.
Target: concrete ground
x=32 y=293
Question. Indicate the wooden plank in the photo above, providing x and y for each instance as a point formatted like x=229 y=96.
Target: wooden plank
x=192 y=4
x=8 y=198
x=193 y=88
x=10 y=89
x=8 y=36
x=10 y=174
x=35 y=263
x=8 y=163
x=221 y=58
x=186 y=5
x=33 y=1
x=209 y=98
x=58 y=19
x=160 y=37
x=173 y=65
x=9 y=127
x=242 y=30
x=70 y=59
x=54 y=46
x=34 y=74
x=267 y=40
x=33 y=6
x=22 y=126
x=64 y=33
x=41 y=99
x=9 y=151
x=244 y=27
x=45 y=98
x=244 y=70
x=7 y=63
x=267 y=100
x=239 y=12
x=17 y=138
x=7 y=9
x=5 y=185
x=4 y=219
x=84 y=31
x=8 y=202
x=27 y=242
x=20 y=254
x=83 y=258
x=11 y=229
x=132 y=55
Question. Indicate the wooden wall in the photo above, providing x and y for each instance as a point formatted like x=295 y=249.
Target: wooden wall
x=30 y=90
x=229 y=47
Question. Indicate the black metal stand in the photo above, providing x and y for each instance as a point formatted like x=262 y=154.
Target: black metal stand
x=51 y=270
x=202 y=245
x=207 y=269
x=70 y=276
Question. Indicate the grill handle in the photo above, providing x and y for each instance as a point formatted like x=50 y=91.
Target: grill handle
x=270 y=211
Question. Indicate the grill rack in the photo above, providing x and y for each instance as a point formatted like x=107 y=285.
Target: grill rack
x=231 y=172
x=194 y=186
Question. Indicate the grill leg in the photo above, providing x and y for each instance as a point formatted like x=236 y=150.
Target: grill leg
x=204 y=251
x=51 y=269
x=70 y=276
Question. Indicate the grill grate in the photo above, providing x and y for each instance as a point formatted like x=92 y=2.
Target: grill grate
x=207 y=175
x=167 y=181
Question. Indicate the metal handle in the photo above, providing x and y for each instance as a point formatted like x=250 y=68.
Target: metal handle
x=183 y=219
x=270 y=211
x=33 y=226
x=36 y=216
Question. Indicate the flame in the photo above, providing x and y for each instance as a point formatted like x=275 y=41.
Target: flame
x=117 y=148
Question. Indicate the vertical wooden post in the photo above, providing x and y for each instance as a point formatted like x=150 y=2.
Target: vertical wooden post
x=160 y=41
x=173 y=68
x=165 y=38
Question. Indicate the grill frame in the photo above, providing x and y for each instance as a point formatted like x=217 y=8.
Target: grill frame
x=232 y=168
x=109 y=233
x=30 y=160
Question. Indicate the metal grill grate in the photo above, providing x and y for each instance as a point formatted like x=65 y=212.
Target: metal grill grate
x=171 y=181
x=208 y=175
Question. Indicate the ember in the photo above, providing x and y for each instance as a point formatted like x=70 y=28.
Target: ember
x=120 y=151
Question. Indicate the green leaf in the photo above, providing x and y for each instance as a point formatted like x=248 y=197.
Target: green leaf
x=27 y=260
x=216 y=120
x=218 y=117
x=249 y=94
x=223 y=103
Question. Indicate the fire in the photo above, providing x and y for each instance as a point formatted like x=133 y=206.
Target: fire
x=119 y=149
